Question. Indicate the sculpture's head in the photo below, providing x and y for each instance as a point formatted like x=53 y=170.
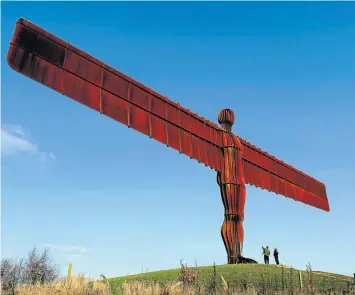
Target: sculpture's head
x=226 y=119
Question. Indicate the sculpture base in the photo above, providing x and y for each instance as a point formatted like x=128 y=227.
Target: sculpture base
x=244 y=260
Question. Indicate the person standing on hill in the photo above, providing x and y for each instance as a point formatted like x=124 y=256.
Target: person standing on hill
x=266 y=253
x=276 y=256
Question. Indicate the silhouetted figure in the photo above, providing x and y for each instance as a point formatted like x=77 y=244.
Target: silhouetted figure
x=266 y=253
x=276 y=256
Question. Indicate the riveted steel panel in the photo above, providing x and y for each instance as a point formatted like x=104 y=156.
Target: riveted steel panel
x=173 y=136
x=158 y=107
x=281 y=187
x=186 y=143
x=114 y=107
x=115 y=84
x=202 y=152
x=215 y=156
x=158 y=129
x=173 y=115
x=194 y=147
x=139 y=97
x=265 y=181
x=139 y=119
x=78 y=65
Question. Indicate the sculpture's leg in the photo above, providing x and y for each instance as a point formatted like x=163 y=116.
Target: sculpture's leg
x=233 y=197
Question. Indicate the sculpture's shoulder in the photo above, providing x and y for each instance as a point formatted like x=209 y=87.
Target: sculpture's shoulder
x=232 y=140
x=237 y=142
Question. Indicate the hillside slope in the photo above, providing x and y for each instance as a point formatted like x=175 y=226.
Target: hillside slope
x=253 y=274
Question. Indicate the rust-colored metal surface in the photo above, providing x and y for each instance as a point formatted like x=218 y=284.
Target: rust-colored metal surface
x=58 y=65
x=232 y=186
x=66 y=69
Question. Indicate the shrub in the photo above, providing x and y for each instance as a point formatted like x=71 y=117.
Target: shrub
x=36 y=269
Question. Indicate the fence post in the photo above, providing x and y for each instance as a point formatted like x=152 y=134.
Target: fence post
x=300 y=278
x=69 y=270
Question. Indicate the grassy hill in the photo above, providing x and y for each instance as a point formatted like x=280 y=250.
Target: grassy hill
x=256 y=275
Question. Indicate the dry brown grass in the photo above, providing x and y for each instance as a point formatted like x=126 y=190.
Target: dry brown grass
x=82 y=286
x=144 y=288
x=75 y=286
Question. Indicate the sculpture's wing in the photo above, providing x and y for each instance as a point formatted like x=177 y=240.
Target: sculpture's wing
x=58 y=65
x=267 y=172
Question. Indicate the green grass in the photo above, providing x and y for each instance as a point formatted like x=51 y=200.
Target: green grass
x=254 y=274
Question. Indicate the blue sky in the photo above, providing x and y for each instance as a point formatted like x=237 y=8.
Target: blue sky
x=111 y=201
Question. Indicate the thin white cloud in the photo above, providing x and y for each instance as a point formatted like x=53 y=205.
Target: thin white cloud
x=74 y=255
x=72 y=249
x=15 y=139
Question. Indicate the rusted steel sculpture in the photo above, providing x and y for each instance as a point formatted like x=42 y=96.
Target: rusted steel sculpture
x=56 y=64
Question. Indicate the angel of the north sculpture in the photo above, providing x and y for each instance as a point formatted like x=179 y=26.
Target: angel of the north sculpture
x=66 y=69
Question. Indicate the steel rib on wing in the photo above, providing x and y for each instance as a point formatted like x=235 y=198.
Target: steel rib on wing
x=58 y=65
x=267 y=172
